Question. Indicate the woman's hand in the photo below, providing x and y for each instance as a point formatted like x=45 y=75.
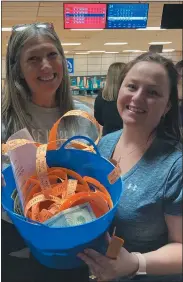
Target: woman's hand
x=106 y=269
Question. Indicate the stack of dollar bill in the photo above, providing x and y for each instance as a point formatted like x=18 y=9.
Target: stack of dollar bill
x=73 y=216
x=17 y=204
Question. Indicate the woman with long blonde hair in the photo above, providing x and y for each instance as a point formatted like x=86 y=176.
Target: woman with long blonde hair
x=37 y=86
x=105 y=107
x=37 y=93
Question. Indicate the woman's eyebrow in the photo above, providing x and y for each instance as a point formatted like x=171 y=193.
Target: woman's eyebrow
x=137 y=81
x=39 y=49
x=154 y=85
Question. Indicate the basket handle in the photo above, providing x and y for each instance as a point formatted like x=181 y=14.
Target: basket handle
x=52 y=140
x=81 y=137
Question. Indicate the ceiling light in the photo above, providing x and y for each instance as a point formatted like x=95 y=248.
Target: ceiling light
x=70 y=44
x=65 y=52
x=82 y=53
x=159 y=43
x=111 y=52
x=20 y=28
x=134 y=51
x=168 y=50
x=151 y=28
x=115 y=43
x=86 y=29
x=96 y=51
x=6 y=28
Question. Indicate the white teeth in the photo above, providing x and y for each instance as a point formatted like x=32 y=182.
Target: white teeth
x=135 y=110
x=46 y=78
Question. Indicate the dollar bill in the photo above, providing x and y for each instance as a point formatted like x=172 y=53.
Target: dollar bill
x=17 y=205
x=73 y=216
x=13 y=195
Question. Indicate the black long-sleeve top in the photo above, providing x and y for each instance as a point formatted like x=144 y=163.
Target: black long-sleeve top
x=107 y=115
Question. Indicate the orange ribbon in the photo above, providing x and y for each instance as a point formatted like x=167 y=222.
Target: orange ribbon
x=55 y=189
x=42 y=204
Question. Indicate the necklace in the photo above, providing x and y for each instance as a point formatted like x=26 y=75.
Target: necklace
x=115 y=174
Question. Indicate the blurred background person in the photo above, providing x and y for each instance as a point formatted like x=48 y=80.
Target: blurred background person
x=105 y=106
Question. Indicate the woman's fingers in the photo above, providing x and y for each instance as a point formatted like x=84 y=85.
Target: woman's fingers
x=88 y=260
x=95 y=268
x=98 y=258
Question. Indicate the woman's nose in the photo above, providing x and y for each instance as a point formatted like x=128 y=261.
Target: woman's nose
x=138 y=95
x=45 y=65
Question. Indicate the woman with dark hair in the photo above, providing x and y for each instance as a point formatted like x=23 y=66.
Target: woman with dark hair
x=179 y=67
x=149 y=215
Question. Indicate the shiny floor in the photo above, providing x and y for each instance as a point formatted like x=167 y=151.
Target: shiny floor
x=87 y=100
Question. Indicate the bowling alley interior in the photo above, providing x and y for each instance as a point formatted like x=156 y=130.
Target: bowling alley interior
x=90 y=107
x=91 y=47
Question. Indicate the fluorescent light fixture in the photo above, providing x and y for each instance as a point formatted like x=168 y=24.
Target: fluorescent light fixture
x=115 y=43
x=20 y=28
x=168 y=50
x=133 y=51
x=111 y=52
x=82 y=53
x=41 y=25
x=96 y=51
x=159 y=43
x=151 y=28
x=86 y=29
x=6 y=28
x=70 y=44
x=65 y=52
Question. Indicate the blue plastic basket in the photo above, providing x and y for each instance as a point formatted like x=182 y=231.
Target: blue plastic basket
x=58 y=247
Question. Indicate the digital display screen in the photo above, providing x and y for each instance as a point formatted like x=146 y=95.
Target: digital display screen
x=84 y=16
x=172 y=16
x=127 y=16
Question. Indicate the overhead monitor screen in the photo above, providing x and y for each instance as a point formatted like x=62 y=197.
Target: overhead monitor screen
x=172 y=16
x=84 y=16
x=127 y=16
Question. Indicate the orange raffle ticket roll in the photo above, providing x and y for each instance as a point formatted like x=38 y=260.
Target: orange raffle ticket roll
x=44 y=196
x=114 y=247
